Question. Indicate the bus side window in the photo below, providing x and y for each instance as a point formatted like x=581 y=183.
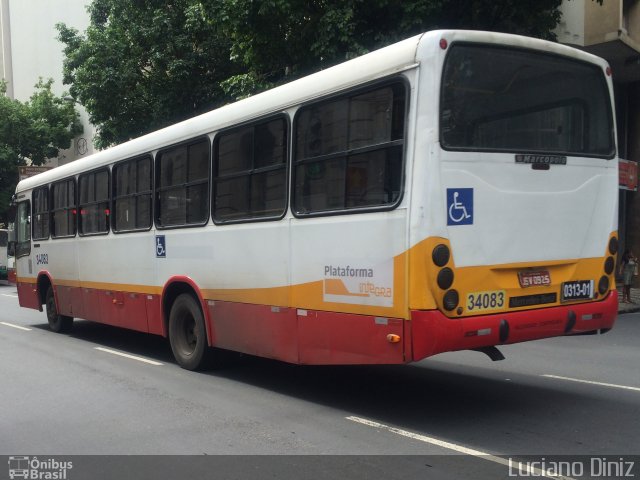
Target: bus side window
x=183 y=184
x=349 y=152
x=41 y=213
x=132 y=195
x=63 y=209
x=94 y=202
x=250 y=180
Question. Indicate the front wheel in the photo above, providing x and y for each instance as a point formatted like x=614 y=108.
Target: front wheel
x=57 y=323
x=187 y=333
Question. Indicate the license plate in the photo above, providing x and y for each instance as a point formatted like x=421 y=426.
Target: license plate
x=578 y=290
x=537 y=278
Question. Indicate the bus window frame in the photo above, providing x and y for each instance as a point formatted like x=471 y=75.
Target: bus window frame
x=47 y=212
x=157 y=189
x=114 y=212
x=72 y=207
x=350 y=93
x=79 y=204
x=287 y=167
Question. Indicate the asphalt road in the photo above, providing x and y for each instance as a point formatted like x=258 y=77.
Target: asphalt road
x=457 y=415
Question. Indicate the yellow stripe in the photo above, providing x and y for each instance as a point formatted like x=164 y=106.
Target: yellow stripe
x=414 y=285
x=118 y=287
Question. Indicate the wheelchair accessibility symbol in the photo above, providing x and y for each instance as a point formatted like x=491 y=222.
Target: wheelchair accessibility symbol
x=161 y=250
x=459 y=206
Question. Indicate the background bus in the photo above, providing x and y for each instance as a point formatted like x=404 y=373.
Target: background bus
x=456 y=190
x=4 y=243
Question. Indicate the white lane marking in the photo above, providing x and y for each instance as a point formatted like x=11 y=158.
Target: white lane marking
x=612 y=385
x=126 y=355
x=16 y=326
x=512 y=464
x=7 y=295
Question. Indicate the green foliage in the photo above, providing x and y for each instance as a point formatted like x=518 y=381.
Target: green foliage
x=34 y=130
x=244 y=85
x=145 y=64
x=277 y=38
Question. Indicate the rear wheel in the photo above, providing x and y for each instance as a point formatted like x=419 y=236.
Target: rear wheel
x=58 y=323
x=187 y=333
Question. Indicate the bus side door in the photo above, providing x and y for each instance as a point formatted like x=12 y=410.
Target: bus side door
x=27 y=291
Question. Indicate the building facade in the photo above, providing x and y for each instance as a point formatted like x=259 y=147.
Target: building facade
x=29 y=50
x=612 y=31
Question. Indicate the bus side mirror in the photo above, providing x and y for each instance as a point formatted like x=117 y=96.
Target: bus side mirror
x=11 y=249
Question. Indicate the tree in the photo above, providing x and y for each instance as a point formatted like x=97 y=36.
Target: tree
x=145 y=64
x=275 y=39
x=30 y=133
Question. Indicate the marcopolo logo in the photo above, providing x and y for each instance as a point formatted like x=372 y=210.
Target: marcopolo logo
x=38 y=469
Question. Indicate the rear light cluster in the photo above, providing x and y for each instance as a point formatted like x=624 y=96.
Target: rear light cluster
x=609 y=266
x=441 y=256
x=603 y=285
x=451 y=298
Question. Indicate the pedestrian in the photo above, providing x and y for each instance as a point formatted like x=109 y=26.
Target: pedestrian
x=628 y=268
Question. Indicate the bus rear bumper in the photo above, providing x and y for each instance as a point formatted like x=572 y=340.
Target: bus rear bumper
x=433 y=333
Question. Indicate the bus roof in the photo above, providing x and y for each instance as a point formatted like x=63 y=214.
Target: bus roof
x=377 y=64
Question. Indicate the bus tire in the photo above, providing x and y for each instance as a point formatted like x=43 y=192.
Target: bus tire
x=187 y=333
x=57 y=323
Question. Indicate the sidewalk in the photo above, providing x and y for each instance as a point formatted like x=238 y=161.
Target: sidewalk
x=629 y=307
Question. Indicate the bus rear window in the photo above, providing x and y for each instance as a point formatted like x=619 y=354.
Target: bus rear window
x=505 y=99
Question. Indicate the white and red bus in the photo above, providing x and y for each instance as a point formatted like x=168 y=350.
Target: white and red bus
x=456 y=190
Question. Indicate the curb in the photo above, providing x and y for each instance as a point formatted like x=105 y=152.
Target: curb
x=629 y=310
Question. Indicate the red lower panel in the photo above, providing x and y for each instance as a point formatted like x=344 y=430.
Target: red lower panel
x=28 y=295
x=91 y=304
x=341 y=339
x=106 y=305
x=155 y=324
x=305 y=337
x=64 y=300
x=132 y=310
x=255 y=329
x=77 y=302
x=122 y=309
x=433 y=333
